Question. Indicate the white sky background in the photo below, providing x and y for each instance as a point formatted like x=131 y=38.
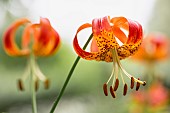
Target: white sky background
x=67 y=15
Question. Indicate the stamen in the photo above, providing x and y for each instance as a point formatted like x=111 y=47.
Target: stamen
x=117 y=66
x=46 y=84
x=38 y=73
x=137 y=85
x=122 y=78
x=114 y=70
x=110 y=77
x=124 y=71
x=132 y=83
x=105 y=89
x=125 y=89
x=112 y=92
x=20 y=85
x=26 y=71
x=115 y=55
x=116 y=84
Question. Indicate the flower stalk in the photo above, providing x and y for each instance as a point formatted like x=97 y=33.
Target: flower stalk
x=33 y=83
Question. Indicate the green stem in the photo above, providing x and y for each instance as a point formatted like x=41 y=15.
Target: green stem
x=34 y=103
x=68 y=77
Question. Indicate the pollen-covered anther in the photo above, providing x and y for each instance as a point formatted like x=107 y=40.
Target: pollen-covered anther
x=116 y=84
x=112 y=92
x=125 y=89
x=46 y=84
x=138 y=85
x=20 y=85
x=132 y=83
x=139 y=82
x=105 y=89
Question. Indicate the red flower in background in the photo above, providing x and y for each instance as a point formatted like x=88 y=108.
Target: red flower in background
x=152 y=99
x=39 y=39
x=113 y=40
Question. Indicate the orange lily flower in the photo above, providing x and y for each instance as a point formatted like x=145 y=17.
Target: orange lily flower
x=106 y=47
x=38 y=39
x=154 y=47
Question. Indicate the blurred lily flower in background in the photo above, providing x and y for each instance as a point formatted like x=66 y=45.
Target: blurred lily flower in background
x=113 y=39
x=155 y=47
x=39 y=39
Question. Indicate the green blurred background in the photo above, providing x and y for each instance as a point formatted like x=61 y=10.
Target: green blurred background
x=84 y=92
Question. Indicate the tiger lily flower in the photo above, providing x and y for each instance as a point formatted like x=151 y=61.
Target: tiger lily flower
x=39 y=39
x=111 y=43
x=155 y=47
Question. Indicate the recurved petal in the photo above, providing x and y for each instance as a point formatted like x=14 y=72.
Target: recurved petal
x=134 y=29
x=27 y=39
x=9 y=43
x=48 y=40
x=82 y=53
x=56 y=42
x=118 y=33
x=135 y=32
x=96 y=26
x=100 y=25
x=130 y=33
x=119 y=22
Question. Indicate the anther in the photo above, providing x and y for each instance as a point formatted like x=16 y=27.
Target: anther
x=112 y=92
x=137 y=85
x=46 y=84
x=20 y=85
x=132 y=83
x=36 y=85
x=116 y=84
x=105 y=89
x=125 y=89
